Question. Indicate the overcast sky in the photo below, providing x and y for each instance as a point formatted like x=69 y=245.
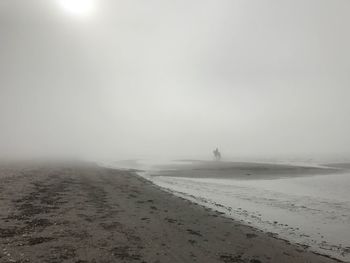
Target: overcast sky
x=175 y=78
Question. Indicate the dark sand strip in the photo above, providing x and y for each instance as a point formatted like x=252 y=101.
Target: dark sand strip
x=241 y=170
x=90 y=214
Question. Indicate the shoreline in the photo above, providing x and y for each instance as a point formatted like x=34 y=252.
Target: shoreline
x=95 y=214
x=292 y=207
x=228 y=212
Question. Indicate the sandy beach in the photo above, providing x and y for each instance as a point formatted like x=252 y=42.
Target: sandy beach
x=242 y=170
x=84 y=213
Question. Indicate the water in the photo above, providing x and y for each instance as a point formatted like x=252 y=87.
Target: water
x=313 y=211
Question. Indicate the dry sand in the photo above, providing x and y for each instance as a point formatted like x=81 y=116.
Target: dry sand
x=83 y=213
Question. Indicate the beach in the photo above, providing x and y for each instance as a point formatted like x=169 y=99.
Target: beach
x=241 y=170
x=85 y=213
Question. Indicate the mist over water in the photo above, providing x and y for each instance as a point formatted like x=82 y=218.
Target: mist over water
x=176 y=80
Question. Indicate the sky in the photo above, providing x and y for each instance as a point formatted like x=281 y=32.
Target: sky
x=129 y=79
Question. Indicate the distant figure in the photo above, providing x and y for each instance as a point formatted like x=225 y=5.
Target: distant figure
x=217 y=154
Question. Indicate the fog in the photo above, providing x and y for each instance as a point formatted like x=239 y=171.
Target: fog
x=166 y=78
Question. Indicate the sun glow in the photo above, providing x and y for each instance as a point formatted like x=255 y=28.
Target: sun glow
x=78 y=7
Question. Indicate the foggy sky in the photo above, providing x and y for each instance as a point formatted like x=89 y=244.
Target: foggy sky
x=175 y=78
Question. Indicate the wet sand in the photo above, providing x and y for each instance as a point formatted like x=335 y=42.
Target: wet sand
x=241 y=170
x=83 y=213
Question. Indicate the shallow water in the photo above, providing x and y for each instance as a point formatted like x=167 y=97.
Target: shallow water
x=310 y=210
x=314 y=211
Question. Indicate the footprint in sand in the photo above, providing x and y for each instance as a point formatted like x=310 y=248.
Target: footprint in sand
x=249 y=235
x=195 y=233
x=170 y=220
